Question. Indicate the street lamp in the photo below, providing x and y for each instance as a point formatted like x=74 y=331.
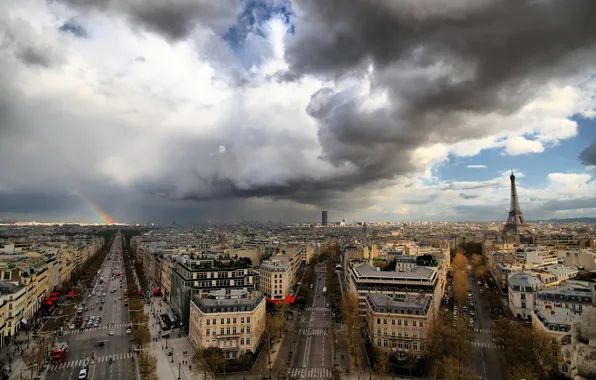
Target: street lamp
x=179 y=371
x=172 y=355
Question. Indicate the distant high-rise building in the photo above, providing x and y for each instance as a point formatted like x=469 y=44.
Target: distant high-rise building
x=324 y=218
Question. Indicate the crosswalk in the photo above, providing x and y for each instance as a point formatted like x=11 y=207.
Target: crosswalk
x=320 y=309
x=102 y=327
x=484 y=331
x=487 y=345
x=98 y=359
x=305 y=373
x=313 y=332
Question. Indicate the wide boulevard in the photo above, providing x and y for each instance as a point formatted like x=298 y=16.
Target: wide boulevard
x=85 y=345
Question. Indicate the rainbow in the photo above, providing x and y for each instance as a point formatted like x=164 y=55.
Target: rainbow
x=99 y=212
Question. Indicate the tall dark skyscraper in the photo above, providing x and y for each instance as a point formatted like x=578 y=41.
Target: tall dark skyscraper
x=324 y=218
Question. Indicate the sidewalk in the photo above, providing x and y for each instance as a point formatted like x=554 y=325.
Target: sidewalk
x=167 y=366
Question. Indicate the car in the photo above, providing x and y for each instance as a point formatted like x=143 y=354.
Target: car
x=82 y=374
x=498 y=340
x=125 y=303
x=96 y=324
x=328 y=306
x=128 y=330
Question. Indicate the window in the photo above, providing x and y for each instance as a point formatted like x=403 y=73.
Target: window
x=399 y=322
x=378 y=331
x=405 y=322
x=564 y=368
x=234 y=330
x=241 y=329
x=421 y=347
x=248 y=341
x=221 y=331
x=242 y=341
x=242 y=320
x=248 y=329
x=523 y=304
x=222 y=321
x=214 y=321
x=385 y=331
x=208 y=332
x=378 y=321
x=208 y=322
x=415 y=346
x=393 y=322
x=247 y=319
x=385 y=343
x=228 y=320
x=379 y=342
x=234 y=320
x=385 y=321
x=413 y=323
x=421 y=324
x=406 y=345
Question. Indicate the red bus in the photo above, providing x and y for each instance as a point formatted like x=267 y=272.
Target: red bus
x=59 y=352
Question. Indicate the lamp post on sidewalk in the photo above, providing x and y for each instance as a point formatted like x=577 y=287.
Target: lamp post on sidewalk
x=179 y=371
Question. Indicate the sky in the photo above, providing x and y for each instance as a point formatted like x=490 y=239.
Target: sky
x=272 y=110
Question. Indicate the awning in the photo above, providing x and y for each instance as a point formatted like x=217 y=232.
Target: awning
x=71 y=294
x=54 y=294
x=289 y=299
x=157 y=291
x=53 y=299
x=140 y=293
x=139 y=262
x=24 y=321
x=47 y=302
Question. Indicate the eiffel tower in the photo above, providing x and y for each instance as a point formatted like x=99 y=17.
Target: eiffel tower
x=516 y=223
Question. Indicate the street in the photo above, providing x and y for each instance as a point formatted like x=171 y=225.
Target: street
x=112 y=360
x=314 y=353
x=485 y=354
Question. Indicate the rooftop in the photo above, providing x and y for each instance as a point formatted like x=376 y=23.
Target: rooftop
x=418 y=273
x=410 y=305
x=233 y=301
x=524 y=279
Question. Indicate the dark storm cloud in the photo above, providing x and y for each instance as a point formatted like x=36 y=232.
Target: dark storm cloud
x=588 y=155
x=174 y=19
x=496 y=54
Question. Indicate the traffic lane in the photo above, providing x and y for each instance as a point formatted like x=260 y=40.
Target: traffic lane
x=479 y=364
x=117 y=370
x=62 y=374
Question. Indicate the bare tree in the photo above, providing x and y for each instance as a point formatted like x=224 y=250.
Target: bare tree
x=382 y=364
x=352 y=318
x=519 y=371
x=147 y=364
x=211 y=361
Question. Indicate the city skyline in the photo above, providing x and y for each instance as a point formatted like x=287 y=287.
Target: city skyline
x=240 y=110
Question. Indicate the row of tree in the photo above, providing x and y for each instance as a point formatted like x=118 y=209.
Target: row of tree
x=141 y=335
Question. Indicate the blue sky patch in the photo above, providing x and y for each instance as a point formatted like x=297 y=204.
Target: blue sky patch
x=71 y=26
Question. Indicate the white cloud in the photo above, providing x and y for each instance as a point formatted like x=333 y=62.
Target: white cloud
x=476 y=166
x=520 y=145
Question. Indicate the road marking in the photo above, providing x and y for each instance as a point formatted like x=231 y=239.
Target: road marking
x=484 y=331
x=487 y=345
x=98 y=359
x=310 y=332
x=310 y=373
x=321 y=309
